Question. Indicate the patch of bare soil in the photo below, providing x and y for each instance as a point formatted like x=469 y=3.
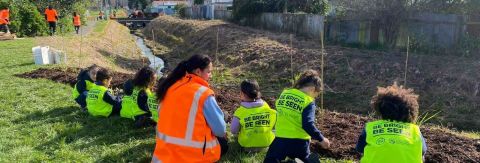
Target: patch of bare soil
x=445 y=83
x=343 y=130
x=69 y=76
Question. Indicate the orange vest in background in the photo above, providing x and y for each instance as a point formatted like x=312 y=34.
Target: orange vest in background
x=51 y=15
x=183 y=134
x=76 y=20
x=4 y=16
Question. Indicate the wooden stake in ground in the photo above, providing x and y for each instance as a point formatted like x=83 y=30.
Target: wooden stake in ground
x=291 y=59
x=216 y=49
x=153 y=50
x=406 y=63
x=322 y=70
x=81 y=44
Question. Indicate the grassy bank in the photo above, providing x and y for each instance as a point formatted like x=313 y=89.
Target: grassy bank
x=109 y=44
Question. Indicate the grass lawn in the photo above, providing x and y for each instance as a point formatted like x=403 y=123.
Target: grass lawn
x=41 y=123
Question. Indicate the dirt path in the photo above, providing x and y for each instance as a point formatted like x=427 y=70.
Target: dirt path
x=86 y=30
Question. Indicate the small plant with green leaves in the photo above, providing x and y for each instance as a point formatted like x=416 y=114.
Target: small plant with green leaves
x=426 y=116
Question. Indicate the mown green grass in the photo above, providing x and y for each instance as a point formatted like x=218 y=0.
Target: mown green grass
x=41 y=123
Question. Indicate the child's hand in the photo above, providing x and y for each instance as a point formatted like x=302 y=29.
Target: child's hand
x=325 y=144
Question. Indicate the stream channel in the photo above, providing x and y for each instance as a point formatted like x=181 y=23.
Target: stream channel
x=155 y=62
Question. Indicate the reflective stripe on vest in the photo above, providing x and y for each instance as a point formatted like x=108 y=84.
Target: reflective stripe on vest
x=155 y=159
x=392 y=142
x=187 y=141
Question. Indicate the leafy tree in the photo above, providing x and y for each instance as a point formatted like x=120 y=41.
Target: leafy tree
x=181 y=9
x=26 y=20
x=138 y=4
x=250 y=8
x=198 y=2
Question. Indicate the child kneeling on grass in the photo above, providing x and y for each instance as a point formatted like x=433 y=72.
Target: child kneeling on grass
x=296 y=121
x=100 y=101
x=395 y=137
x=254 y=120
x=85 y=82
x=135 y=102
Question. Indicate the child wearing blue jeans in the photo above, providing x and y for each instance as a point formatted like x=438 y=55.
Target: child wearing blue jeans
x=296 y=121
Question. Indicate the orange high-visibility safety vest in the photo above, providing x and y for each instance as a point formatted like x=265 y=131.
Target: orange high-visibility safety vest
x=4 y=16
x=183 y=134
x=51 y=15
x=76 y=20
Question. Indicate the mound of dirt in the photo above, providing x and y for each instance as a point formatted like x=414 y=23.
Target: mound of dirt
x=445 y=83
x=69 y=76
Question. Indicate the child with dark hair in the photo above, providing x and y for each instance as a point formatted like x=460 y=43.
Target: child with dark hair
x=395 y=137
x=100 y=101
x=296 y=121
x=85 y=82
x=254 y=120
x=137 y=92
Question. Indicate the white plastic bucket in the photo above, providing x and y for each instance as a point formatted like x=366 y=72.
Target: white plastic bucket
x=46 y=55
x=41 y=55
x=59 y=56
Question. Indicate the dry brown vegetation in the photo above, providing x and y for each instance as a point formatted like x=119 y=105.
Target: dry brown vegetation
x=113 y=47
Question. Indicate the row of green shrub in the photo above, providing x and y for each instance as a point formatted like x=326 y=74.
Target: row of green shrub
x=249 y=8
x=27 y=18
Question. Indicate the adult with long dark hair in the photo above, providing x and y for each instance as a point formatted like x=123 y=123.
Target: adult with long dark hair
x=191 y=126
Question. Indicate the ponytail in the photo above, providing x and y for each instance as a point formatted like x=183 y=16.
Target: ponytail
x=184 y=67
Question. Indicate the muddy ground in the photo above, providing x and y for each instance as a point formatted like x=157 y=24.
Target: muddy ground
x=342 y=129
x=69 y=76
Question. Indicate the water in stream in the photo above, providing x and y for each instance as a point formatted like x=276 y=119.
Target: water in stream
x=155 y=62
